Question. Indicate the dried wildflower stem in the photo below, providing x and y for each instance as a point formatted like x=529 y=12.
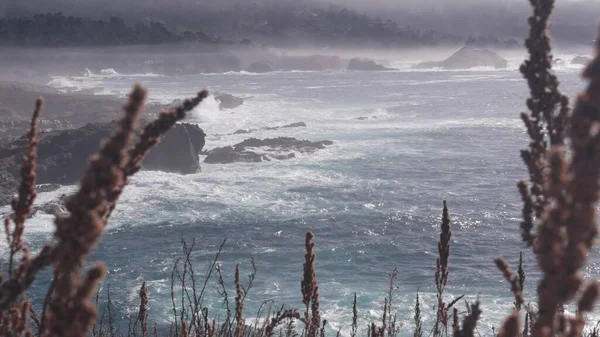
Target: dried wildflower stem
x=239 y=304
x=354 y=327
x=14 y=317
x=511 y=326
x=568 y=228
x=418 y=320
x=512 y=279
x=151 y=137
x=441 y=270
x=310 y=288
x=545 y=99
x=469 y=323
x=78 y=232
x=521 y=273
x=143 y=310
x=279 y=317
x=526 y=225
x=27 y=192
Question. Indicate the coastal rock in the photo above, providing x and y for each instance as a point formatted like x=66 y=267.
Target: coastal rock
x=310 y=63
x=47 y=187
x=258 y=150
x=178 y=151
x=468 y=57
x=583 y=60
x=61 y=111
x=292 y=125
x=63 y=155
x=56 y=207
x=365 y=65
x=260 y=67
x=8 y=187
x=228 y=101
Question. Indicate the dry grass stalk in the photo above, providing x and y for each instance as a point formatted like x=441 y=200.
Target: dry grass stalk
x=14 y=316
x=239 y=304
x=354 y=327
x=280 y=316
x=568 y=229
x=151 y=137
x=310 y=288
x=512 y=279
x=78 y=232
x=511 y=326
x=70 y=309
x=27 y=192
x=442 y=272
x=222 y=290
x=543 y=123
x=143 y=310
x=388 y=321
x=526 y=225
x=322 y=331
x=521 y=273
x=469 y=325
x=418 y=319
x=564 y=188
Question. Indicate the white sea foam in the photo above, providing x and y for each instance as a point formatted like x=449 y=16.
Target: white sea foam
x=93 y=81
x=372 y=198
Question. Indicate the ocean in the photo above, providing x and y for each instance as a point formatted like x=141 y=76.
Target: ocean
x=404 y=141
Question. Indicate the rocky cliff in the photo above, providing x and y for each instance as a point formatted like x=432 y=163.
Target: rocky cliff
x=63 y=155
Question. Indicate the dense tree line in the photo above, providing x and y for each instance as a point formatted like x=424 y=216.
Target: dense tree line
x=327 y=25
x=59 y=30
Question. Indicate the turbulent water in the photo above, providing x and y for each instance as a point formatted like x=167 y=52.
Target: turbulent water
x=403 y=142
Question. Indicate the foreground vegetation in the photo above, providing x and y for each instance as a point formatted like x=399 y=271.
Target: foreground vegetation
x=559 y=225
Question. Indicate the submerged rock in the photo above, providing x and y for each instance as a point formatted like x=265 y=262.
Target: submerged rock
x=309 y=62
x=178 y=151
x=292 y=125
x=228 y=101
x=260 y=67
x=365 y=65
x=259 y=150
x=56 y=207
x=583 y=60
x=47 y=187
x=468 y=57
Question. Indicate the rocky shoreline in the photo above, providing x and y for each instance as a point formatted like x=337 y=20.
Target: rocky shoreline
x=65 y=142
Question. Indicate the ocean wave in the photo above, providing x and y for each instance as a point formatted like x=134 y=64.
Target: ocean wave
x=112 y=73
x=93 y=81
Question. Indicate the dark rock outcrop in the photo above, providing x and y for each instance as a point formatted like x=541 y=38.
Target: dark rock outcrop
x=365 y=65
x=258 y=150
x=228 y=101
x=260 y=67
x=292 y=125
x=55 y=207
x=8 y=187
x=583 y=60
x=309 y=63
x=468 y=57
x=63 y=155
x=61 y=111
x=178 y=151
x=47 y=187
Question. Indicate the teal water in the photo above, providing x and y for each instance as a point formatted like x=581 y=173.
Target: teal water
x=403 y=142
